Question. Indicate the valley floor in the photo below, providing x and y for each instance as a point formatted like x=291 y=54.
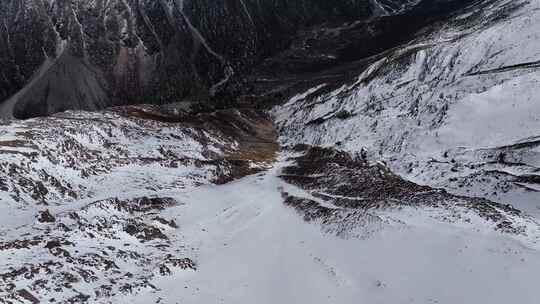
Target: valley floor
x=251 y=248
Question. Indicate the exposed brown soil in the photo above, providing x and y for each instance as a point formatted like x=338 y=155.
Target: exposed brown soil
x=252 y=130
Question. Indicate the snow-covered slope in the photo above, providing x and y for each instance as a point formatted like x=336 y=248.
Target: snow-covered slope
x=81 y=195
x=250 y=248
x=413 y=181
x=244 y=242
x=129 y=206
x=455 y=108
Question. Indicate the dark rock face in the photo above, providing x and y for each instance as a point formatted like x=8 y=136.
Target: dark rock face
x=60 y=54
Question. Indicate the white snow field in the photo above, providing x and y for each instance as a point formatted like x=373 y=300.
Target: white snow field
x=251 y=248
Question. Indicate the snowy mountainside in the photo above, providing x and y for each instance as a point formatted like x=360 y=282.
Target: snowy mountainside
x=407 y=176
x=82 y=193
x=339 y=182
x=76 y=156
x=167 y=227
x=73 y=157
x=455 y=108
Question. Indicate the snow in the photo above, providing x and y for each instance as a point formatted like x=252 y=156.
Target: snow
x=436 y=78
x=122 y=157
x=426 y=100
x=253 y=249
x=248 y=246
x=504 y=114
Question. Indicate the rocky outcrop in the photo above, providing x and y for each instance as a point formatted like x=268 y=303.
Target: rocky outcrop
x=346 y=191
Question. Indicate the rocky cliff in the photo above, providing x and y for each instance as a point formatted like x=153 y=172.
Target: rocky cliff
x=60 y=54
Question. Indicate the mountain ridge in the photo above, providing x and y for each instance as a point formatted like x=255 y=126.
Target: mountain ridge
x=167 y=51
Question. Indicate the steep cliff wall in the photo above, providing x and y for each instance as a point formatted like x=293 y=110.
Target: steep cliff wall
x=60 y=54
